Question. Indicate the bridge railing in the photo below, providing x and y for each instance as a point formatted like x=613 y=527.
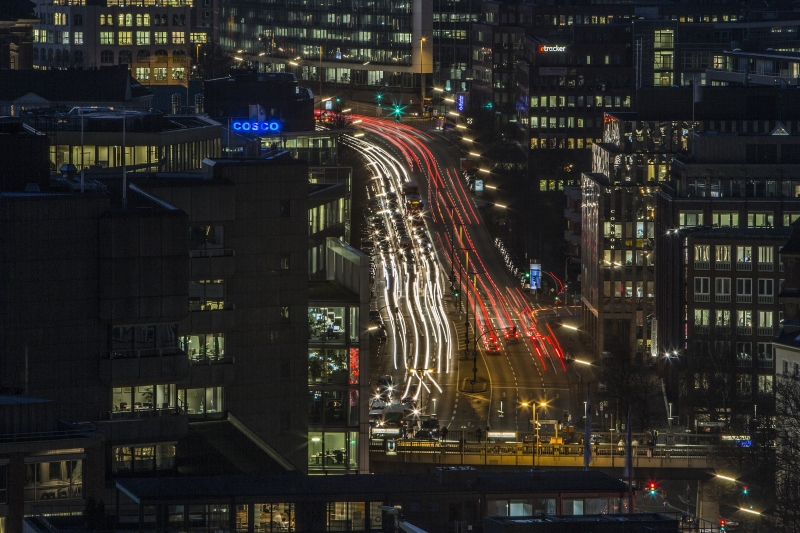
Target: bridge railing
x=458 y=452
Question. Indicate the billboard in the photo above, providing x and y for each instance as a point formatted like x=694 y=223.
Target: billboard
x=536 y=276
x=478 y=185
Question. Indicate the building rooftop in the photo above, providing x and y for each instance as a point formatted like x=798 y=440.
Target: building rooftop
x=100 y=86
x=354 y=488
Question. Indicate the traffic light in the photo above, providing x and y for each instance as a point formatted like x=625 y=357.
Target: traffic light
x=652 y=488
x=397 y=112
x=456 y=292
x=527 y=275
x=744 y=490
x=338 y=100
x=488 y=105
x=722 y=524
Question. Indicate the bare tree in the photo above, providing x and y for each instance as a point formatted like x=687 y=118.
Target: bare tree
x=787 y=479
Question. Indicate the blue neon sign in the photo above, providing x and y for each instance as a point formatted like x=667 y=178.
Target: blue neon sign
x=461 y=102
x=256 y=127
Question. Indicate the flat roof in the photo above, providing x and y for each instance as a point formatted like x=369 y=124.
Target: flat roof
x=297 y=487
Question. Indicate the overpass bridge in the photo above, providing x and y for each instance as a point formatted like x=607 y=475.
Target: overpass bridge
x=686 y=460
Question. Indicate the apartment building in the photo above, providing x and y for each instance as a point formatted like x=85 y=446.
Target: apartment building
x=724 y=215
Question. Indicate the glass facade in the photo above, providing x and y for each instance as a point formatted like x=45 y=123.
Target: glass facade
x=359 y=38
x=333 y=450
x=521 y=507
x=143 y=458
x=53 y=479
x=140 y=398
x=202 y=400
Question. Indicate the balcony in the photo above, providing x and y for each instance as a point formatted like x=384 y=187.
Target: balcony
x=134 y=367
x=211 y=252
x=722 y=298
x=744 y=266
x=722 y=265
x=744 y=330
x=744 y=298
x=207 y=372
x=144 y=425
x=765 y=331
x=764 y=299
x=702 y=265
x=766 y=363
x=766 y=267
x=702 y=329
x=722 y=330
x=744 y=362
x=702 y=297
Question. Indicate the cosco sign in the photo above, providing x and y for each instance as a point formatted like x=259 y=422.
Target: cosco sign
x=553 y=48
x=256 y=127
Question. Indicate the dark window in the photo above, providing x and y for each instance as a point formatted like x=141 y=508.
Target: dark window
x=762 y=153
x=78 y=58
x=285 y=367
x=107 y=56
x=286 y=208
x=142 y=55
x=125 y=57
x=790 y=153
x=284 y=314
x=77 y=20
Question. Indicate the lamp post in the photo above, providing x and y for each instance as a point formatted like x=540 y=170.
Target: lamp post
x=421 y=79
x=535 y=406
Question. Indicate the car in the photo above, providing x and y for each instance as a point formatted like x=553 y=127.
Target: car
x=409 y=401
x=385 y=382
x=511 y=334
x=426 y=434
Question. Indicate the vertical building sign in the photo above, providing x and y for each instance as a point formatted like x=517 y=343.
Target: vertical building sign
x=536 y=276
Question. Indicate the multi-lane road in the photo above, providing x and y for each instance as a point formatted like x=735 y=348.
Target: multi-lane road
x=425 y=351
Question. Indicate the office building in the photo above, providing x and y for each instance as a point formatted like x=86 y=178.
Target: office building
x=188 y=298
x=156 y=41
x=772 y=67
x=261 y=97
x=618 y=204
x=436 y=501
x=96 y=139
x=365 y=46
x=720 y=224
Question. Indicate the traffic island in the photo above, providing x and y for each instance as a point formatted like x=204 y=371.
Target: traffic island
x=480 y=385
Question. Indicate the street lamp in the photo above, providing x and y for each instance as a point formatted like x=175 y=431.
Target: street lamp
x=535 y=407
x=421 y=79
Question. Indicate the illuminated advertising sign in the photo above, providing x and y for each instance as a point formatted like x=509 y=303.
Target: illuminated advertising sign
x=382 y=432
x=554 y=48
x=248 y=126
x=536 y=276
x=502 y=435
x=461 y=102
x=478 y=185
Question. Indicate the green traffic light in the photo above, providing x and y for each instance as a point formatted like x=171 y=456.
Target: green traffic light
x=379 y=96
